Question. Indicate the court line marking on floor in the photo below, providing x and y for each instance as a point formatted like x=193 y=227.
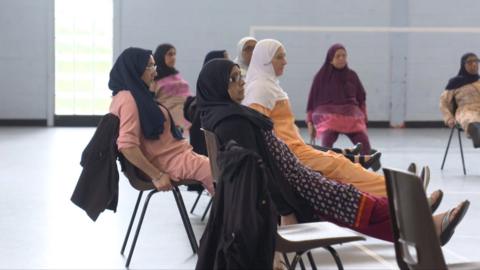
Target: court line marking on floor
x=366 y=29
x=375 y=256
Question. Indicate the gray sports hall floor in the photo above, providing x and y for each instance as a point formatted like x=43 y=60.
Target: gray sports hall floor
x=41 y=228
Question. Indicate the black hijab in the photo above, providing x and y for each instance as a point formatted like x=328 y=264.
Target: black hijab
x=214 y=55
x=463 y=77
x=214 y=101
x=126 y=74
x=162 y=69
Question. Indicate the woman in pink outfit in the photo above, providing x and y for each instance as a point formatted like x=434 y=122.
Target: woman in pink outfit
x=171 y=90
x=147 y=136
x=336 y=104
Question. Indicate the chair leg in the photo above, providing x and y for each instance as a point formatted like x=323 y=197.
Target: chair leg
x=132 y=219
x=312 y=261
x=302 y=265
x=287 y=262
x=335 y=257
x=448 y=146
x=195 y=203
x=208 y=208
x=461 y=152
x=139 y=226
x=185 y=219
x=296 y=259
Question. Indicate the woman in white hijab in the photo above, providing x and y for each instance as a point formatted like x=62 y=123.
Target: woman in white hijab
x=264 y=94
x=244 y=53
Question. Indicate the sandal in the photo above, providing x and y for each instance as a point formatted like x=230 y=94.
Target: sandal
x=355 y=150
x=373 y=162
x=425 y=177
x=435 y=204
x=448 y=225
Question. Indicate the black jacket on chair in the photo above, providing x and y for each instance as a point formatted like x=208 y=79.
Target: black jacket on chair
x=240 y=233
x=97 y=187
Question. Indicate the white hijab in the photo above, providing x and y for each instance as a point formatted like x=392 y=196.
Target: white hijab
x=262 y=86
x=239 y=59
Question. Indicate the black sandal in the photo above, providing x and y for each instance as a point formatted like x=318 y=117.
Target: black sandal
x=448 y=225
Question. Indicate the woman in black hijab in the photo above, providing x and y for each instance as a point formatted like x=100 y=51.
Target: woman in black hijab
x=220 y=89
x=460 y=102
x=147 y=135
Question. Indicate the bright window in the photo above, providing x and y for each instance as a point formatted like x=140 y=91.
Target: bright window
x=83 y=56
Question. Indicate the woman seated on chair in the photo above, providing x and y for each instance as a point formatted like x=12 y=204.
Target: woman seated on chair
x=220 y=90
x=148 y=137
x=460 y=102
x=337 y=102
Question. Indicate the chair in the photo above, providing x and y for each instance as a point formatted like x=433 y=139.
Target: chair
x=416 y=243
x=459 y=129
x=141 y=182
x=297 y=238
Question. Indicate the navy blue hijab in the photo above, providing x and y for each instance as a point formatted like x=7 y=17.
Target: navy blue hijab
x=126 y=74
x=214 y=55
x=162 y=69
x=463 y=77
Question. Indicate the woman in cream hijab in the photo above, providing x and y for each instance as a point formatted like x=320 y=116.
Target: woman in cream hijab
x=244 y=53
x=264 y=94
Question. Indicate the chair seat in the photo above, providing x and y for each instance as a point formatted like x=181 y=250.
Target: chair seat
x=464 y=266
x=305 y=236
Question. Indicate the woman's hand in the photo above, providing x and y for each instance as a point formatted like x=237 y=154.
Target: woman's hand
x=288 y=219
x=312 y=132
x=162 y=182
x=451 y=122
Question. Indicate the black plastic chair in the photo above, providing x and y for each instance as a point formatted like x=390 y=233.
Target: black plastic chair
x=459 y=130
x=141 y=182
x=296 y=238
x=416 y=244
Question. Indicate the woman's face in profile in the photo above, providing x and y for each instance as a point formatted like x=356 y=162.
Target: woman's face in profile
x=248 y=50
x=236 y=89
x=471 y=65
x=171 y=58
x=339 y=60
x=150 y=72
x=279 y=61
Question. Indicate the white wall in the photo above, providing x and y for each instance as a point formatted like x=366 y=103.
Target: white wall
x=25 y=58
x=195 y=27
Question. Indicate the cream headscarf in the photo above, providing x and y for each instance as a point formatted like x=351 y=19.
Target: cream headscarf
x=239 y=59
x=262 y=86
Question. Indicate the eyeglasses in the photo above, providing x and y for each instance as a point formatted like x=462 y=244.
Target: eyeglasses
x=154 y=67
x=236 y=78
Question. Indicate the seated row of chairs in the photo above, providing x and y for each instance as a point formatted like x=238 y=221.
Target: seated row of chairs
x=416 y=244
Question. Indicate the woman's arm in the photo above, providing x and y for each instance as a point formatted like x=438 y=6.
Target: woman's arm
x=160 y=179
